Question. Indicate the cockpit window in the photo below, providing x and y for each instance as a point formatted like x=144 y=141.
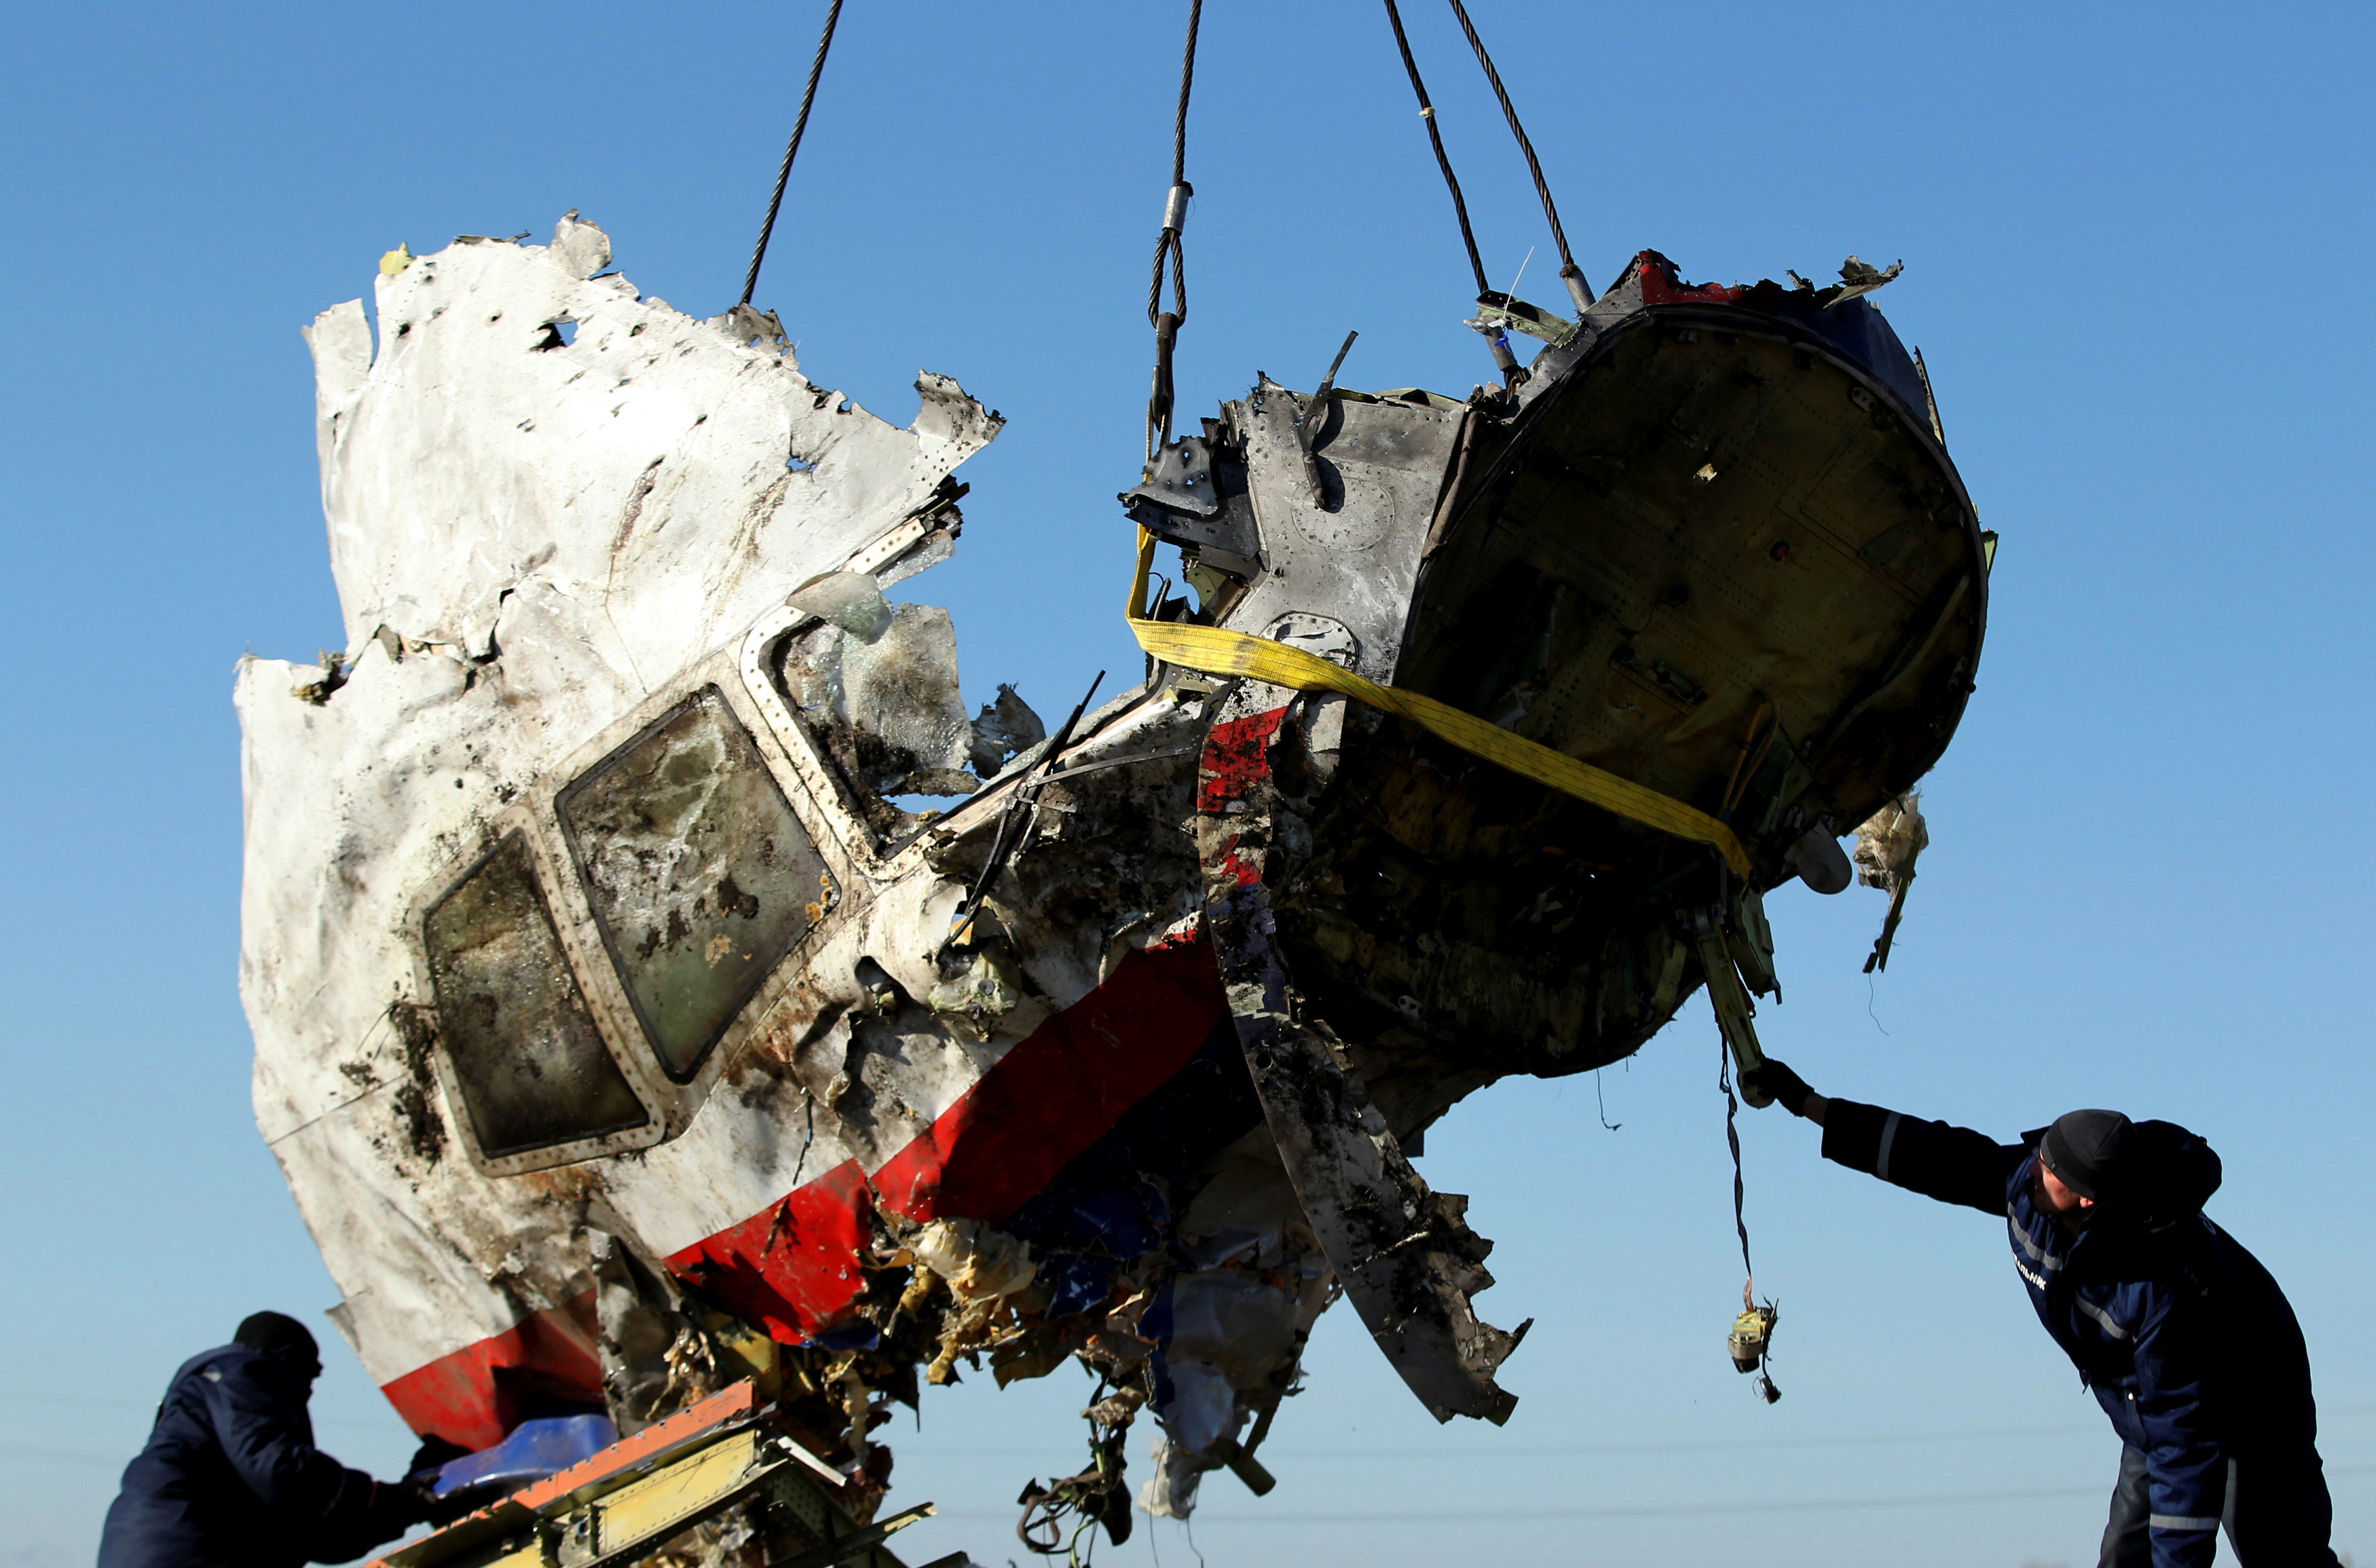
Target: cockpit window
x=699 y=875
x=529 y=1067
x=877 y=695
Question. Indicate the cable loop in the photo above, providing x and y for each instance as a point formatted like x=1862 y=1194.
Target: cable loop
x=1158 y=401
x=1166 y=323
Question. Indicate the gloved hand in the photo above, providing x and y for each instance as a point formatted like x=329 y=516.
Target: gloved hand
x=420 y=1479
x=396 y=1507
x=1789 y=1090
x=388 y=1511
x=433 y=1452
x=442 y=1511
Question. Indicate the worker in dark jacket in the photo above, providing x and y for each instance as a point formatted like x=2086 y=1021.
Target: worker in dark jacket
x=2179 y=1333
x=231 y=1477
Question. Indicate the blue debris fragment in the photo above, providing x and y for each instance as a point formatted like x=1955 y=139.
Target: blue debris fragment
x=535 y=1449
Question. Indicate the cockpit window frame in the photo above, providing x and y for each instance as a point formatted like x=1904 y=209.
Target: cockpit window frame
x=839 y=841
x=610 y=942
x=518 y=821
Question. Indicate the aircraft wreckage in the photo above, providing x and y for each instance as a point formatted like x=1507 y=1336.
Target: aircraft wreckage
x=623 y=1033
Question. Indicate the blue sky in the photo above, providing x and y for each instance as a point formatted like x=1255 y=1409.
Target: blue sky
x=2135 y=238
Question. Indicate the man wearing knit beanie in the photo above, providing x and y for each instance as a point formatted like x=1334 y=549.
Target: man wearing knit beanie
x=231 y=1477
x=2181 y=1335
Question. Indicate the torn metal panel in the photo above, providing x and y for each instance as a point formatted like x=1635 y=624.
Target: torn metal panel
x=657 y=1358
x=718 y=1482
x=1887 y=845
x=506 y=606
x=623 y=1027
x=1889 y=840
x=1351 y=554
x=586 y=462
x=1402 y=1252
x=1707 y=549
x=1004 y=729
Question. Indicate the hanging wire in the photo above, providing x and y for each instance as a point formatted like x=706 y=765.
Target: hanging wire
x=1732 y=1137
x=1578 y=289
x=1435 y=139
x=1166 y=323
x=792 y=148
x=1752 y=1331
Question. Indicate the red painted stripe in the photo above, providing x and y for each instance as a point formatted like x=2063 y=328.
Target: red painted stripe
x=1061 y=1089
x=793 y=1267
x=473 y=1396
x=1662 y=286
x=1237 y=755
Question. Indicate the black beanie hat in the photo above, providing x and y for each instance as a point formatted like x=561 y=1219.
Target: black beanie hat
x=2083 y=1148
x=280 y=1336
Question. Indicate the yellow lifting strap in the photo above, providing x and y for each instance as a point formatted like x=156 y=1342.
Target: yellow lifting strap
x=1218 y=652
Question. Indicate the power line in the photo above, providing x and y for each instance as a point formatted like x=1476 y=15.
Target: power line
x=1656 y=1510
x=61 y=1456
x=148 y=1408
x=31 y=1451
x=1692 y=1445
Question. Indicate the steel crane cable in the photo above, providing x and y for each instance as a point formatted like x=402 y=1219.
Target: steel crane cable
x=791 y=149
x=1435 y=139
x=1497 y=341
x=1578 y=289
x=1166 y=323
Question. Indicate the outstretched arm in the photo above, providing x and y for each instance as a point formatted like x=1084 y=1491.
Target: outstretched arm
x=1954 y=1165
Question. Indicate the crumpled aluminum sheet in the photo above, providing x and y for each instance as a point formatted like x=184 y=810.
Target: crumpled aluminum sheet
x=545 y=495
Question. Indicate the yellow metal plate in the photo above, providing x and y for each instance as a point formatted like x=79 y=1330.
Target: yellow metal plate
x=664 y=1503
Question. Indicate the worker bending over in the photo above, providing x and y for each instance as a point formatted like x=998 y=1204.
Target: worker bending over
x=2183 y=1337
x=231 y=1477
